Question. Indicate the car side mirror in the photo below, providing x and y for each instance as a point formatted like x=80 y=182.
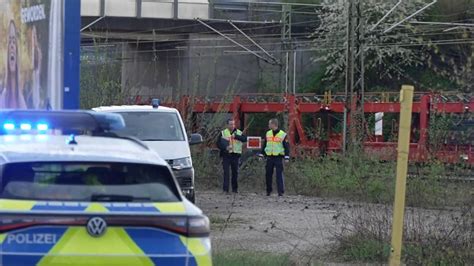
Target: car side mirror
x=195 y=139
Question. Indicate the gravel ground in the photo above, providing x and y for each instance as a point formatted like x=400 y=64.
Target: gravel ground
x=303 y=227
x=254 y=222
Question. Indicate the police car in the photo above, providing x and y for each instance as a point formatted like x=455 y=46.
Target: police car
x=162 y=129
x=90 y=198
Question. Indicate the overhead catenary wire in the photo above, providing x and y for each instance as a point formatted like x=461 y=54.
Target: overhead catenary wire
x=299 y=43
x=91 y=24
x=267 y=10
x=277 y=42
x=126 y=39
x=386 y=15
x=444 y=42
x=435 y=23
x=235 y=42
x=135 y=60
x=305 y=35
x=321 y=48
x=210 y=22
x=253 y=28
x=458 y=27
x=255 y=43
x=243 y=53
x=435 y=32
x=409 y=17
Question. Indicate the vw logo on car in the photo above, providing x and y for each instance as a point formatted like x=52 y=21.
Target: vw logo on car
x=96 y=226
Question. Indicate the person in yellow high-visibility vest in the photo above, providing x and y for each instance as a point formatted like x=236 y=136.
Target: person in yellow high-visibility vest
x=230 y=144
x=275 y=149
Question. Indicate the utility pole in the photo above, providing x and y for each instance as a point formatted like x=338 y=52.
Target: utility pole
x=286 y=42
x=354 y=91
x=286 y=46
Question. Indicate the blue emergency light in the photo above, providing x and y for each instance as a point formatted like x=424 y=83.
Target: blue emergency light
x=9 y=126
x=39 y=121
x=155 y=103
x=25 y=127
x=42 y=127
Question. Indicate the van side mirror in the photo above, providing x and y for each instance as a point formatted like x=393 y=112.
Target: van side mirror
x=195 y=139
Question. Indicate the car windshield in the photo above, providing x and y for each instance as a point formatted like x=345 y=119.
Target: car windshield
x=152 y=126
x=84 y=181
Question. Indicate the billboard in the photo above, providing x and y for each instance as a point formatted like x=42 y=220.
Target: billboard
x=32 y=34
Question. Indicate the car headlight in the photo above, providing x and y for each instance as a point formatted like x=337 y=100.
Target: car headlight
x=182 y=163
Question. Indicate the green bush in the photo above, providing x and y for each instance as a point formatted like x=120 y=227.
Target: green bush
x=358 y=248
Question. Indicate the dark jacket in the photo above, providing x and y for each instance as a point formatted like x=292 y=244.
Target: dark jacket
x=286 y=145
x=222 y=143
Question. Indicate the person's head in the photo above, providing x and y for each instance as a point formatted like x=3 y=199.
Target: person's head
x=273 y=124
x=230 y=124
x=12 y=48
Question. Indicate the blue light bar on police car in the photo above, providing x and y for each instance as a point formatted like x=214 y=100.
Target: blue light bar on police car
x=155 y=103
x=69 y=121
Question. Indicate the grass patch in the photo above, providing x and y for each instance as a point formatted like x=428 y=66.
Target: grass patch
x=354 y=177
x=238 y=258
x=358 y=248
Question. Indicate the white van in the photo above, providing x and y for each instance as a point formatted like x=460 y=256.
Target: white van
x=162 y=129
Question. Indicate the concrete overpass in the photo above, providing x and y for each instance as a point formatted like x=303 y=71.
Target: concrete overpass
x=163 y=49
x=158 y=9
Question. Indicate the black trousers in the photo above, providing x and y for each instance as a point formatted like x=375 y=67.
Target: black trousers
x=230 y=162
x=275 y=162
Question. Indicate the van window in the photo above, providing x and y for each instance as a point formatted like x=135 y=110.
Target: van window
x=88 y=181
x=152 y=126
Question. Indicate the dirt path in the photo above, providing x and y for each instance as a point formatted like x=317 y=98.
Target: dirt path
x=302 y=228
x=255 y=222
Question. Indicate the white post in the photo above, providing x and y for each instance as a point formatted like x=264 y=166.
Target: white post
x=55 y=56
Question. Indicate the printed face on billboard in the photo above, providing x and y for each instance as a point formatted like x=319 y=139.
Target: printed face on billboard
x=27 y=31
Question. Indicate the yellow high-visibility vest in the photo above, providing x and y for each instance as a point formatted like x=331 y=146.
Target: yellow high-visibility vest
x=274 y=145
x=235 y=144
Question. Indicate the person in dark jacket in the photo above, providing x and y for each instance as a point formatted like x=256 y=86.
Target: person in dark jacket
x=276 y=149
x=230 y=145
